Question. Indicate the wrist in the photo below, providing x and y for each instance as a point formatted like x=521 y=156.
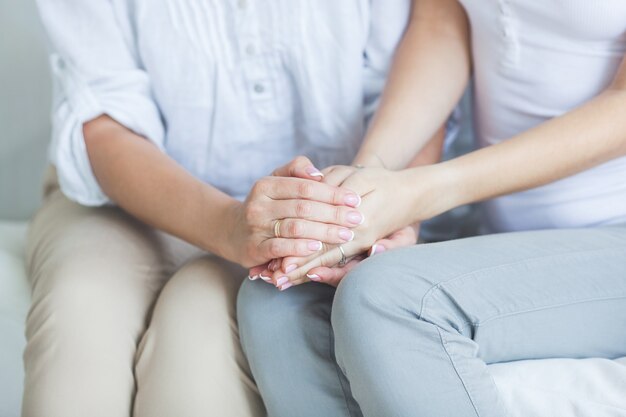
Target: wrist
x=219 y=225
x=433 y=190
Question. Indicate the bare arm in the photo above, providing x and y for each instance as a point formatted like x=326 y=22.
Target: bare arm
x=155 y=189
x=150 y=185
x=429 y=75
x=579 y=140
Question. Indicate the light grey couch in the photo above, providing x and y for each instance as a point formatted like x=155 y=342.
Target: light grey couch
x=551 y=388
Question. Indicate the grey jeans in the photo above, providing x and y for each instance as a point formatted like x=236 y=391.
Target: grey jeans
x=413 y=329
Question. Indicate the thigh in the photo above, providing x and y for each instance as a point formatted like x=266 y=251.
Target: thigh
x=289 y=343
x=94 y=273
x=425 y=319
x=190 y=361
x=557 y=293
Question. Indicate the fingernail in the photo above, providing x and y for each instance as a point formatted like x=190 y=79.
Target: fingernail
x=253 y=278
x=272 y=266
x=314 y=172
x=355 y=217
x=316 y=246
x=376 y=249
x=314 y=277
x=291 y=268
x=282 y=281
x=353 y=200
x=347 y=235
x=266 y=279
x=286 y=286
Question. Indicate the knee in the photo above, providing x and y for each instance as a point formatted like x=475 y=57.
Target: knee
x=396 y=287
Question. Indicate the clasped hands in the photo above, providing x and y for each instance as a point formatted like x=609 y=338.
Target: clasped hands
x=313 y=220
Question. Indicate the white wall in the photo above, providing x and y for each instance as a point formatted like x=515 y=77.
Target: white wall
x=24 y=108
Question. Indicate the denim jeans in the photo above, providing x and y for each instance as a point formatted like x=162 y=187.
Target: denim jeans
x=410 y=332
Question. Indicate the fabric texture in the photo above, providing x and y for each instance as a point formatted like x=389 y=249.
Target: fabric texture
x=534 y=61
x=414 y=329
x=229 y=89
x=127 y=321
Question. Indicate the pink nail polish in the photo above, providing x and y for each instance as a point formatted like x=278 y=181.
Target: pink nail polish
x=266 y=279
x=347 y=235
x=282 y=281
x=286 y=286
x=314 y=172
x=291 y=268
x=353 y=200
x=314 y=277
x=376 y=249
x=355 y=217
x=315 y=246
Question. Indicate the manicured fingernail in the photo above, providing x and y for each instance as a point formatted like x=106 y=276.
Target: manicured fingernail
x=355 y=217
x=286 y=286
x=353 y=200
x=314 y=172
x=282 y=281
x=347 y=235
x=266 y=279
x=291 y=268
x=316 y=246
x=253 y=278
x=314 y=277
x=376 y=249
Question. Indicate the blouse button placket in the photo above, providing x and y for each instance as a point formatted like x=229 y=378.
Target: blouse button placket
x=507 y=24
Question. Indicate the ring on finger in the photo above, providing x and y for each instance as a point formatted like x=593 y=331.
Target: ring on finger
x=277 y=229
x=343 y=260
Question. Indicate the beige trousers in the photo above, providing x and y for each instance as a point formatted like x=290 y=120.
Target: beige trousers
x=127 y=321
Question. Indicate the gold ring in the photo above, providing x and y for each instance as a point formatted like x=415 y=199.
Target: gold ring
x=342 y=262
x=277 y=229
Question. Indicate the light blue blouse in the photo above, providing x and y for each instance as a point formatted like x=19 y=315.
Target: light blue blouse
x=230 y=89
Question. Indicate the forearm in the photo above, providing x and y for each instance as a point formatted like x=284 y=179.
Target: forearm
x=428 y=78
x=586 y=137
x=152 y=187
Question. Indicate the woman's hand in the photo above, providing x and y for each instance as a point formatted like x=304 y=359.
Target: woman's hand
x=391 y=201
x=308 y=213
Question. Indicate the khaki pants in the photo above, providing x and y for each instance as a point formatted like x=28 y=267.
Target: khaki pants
x=127 y=321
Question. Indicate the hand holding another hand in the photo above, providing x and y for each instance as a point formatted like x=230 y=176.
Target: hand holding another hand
x=290 y=214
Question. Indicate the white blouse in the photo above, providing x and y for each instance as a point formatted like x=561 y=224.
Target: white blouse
x=230 y=89
x=535 y=60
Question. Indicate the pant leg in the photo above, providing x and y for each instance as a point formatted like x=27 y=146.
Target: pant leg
x=289 y=343
x=95 y=273
x=190 y=361
x=415 y=328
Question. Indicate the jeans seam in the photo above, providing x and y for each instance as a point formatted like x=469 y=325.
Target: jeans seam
x=437 y=286
x=447 y=349
x=531 y=310
x=338 y=370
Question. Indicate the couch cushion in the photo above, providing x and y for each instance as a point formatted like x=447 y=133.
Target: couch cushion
x=14 y=302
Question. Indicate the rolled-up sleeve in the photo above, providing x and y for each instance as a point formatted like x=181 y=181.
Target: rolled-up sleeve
x=95 y=71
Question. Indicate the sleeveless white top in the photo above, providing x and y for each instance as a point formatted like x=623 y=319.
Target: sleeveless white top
x=535 y=60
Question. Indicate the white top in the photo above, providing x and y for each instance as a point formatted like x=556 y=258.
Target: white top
x=231 y=89
x=535 y=60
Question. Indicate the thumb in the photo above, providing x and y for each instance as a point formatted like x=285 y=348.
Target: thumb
x=301 y=167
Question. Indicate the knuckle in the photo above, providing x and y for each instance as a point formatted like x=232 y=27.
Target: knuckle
x=305 y=189
x=339 y=215
x=295 y=229
x=300 y=160
x=303 y=209
x=260 y=187
x=275 y=247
